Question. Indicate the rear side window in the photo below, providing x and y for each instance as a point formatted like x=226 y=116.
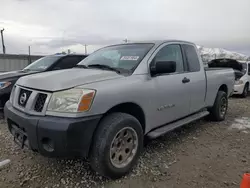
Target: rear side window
x=68 y=62
x=192 y=58
x=248 y=68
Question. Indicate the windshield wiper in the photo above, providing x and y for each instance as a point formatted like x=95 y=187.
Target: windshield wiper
x=26 y=70
x=105 y=67
x=82 y=66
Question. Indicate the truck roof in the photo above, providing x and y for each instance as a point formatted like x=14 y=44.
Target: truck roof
x=159 y=42
x=59 y=54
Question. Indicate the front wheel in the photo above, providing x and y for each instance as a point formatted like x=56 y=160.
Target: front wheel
x=219 y=109
x=245 y=91
x=117 y=145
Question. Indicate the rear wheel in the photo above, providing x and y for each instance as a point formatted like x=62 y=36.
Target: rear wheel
x=117 y=145
x=245 y=91
x=219 y=109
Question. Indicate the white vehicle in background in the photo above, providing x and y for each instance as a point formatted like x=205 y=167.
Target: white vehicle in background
x=241 y=85
x=242 y=74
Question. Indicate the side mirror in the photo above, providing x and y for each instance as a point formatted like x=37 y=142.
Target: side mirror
x=163 y=67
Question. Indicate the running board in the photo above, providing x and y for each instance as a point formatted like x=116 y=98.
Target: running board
x=169 y=127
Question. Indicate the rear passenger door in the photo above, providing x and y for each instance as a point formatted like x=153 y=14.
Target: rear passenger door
x=171 y=93
x=67 y=62
x=196 y=75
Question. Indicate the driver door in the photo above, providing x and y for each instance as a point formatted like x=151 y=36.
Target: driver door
x=172 y=93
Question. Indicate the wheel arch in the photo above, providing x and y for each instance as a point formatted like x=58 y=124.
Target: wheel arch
x=132 y=109
x=224 y=88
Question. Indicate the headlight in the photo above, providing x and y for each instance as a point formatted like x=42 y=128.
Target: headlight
x=12 y=94
x=72 y=100
x=238 y=82
x=4 y=84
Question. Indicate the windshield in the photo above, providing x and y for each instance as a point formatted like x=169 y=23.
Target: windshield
x=126 y=56
x=42 y=63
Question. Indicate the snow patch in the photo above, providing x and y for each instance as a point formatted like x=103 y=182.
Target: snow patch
x=241 y=124
x=4 y=162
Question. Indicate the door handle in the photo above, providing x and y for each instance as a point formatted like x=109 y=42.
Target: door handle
x=185 y=80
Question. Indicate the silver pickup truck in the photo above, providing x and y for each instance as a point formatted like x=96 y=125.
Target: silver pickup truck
x=105 y=107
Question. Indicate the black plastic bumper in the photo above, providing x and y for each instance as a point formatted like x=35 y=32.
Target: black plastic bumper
x=53 y=136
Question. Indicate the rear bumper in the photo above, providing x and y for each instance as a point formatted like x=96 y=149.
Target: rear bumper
x=54 y=136
x=238 y=89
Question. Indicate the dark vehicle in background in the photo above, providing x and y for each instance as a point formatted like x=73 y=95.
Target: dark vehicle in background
x=47 y=63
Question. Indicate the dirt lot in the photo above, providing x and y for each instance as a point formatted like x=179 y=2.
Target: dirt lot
x=202 y=154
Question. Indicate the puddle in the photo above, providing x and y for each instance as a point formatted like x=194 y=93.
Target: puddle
x=241 y=124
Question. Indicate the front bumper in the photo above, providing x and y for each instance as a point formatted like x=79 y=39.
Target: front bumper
x=238 y=89
x=53 y=136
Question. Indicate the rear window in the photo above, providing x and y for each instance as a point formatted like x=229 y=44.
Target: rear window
x=192 y=58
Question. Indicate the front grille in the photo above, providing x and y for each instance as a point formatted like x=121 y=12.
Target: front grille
x=40 y=102
x=23 y=97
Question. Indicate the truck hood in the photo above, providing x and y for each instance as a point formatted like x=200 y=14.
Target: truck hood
x=229 y=63
x=226 y=63
x=14 y=74
x=65 y=79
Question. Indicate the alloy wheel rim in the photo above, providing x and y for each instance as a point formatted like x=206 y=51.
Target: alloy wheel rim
x=123 y=147
x=223 y=106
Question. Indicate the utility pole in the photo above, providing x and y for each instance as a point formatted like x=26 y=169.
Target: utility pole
x=85 y=45
x=29 y=56
x=3 y=41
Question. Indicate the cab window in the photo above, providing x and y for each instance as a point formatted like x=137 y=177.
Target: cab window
x=171 y=52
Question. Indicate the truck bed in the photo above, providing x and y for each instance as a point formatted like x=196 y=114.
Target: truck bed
x=215 y=78
x=212 y=69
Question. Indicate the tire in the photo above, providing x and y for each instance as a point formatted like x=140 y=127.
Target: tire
x=216 y=112
x=245 y=91
x=3 y=100
x=102 y=159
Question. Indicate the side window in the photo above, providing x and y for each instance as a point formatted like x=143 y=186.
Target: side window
x=171 y=52
x=192 y=58
x=248 y=68
x=67 y=62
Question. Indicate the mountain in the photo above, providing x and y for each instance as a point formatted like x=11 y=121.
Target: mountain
x=208 y=54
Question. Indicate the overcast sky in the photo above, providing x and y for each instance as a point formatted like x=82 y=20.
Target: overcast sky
x=51 y=26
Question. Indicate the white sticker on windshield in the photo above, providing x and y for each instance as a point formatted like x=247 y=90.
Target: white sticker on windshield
x=130 y=58
x=42 y=67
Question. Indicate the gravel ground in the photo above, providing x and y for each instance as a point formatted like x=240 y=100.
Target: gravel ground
x=201 y=154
